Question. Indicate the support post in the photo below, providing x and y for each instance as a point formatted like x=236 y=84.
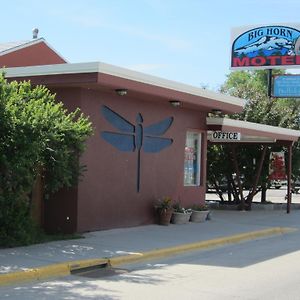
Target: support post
x=269 y=83
x=289 y=180
x=258 y=172
x=238 y=176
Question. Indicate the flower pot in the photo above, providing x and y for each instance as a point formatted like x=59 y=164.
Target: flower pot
x=199 y=216
x=180 y=218
x=164 y=216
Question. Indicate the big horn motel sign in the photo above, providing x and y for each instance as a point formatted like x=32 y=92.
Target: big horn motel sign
x=270 y=47
x=266 y=47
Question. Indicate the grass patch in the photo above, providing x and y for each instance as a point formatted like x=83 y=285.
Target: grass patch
x=36 y=236
x=44 y=238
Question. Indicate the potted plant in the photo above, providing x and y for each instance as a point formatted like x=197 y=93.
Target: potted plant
x=199 y=213
x=180 y=215
x=164 y=210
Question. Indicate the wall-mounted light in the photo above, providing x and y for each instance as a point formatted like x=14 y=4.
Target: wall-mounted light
x=121 y=92
x=175 y=103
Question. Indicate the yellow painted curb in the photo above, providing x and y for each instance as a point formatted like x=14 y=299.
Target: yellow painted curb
x=54 y=270
x=80 y=264
x=158 y=253
x=63 y=269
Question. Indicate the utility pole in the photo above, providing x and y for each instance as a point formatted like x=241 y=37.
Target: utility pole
x=269 y=83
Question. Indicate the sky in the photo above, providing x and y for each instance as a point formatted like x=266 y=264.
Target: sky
x=182 y=40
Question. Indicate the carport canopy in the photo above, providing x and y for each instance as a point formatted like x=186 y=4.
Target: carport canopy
x=259 y=134
x=252 y=132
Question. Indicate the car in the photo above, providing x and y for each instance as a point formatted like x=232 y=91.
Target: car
x=296 y=186
x=278 y=183
x=222 y=185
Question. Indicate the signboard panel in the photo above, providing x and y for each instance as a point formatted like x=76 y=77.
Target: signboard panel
x=285 y=86
x=266 y=47
x=225 y=136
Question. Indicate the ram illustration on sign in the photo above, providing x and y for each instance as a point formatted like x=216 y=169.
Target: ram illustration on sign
x=266 y=46
x=130 y=137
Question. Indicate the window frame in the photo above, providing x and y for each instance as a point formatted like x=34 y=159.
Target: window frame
x=199 y=178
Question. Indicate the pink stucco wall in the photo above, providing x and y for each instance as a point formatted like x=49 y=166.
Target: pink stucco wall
x=107 y=196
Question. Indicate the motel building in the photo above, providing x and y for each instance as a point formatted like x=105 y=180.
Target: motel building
x=149 y=141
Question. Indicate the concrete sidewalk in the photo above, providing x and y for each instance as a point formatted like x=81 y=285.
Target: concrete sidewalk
x=119 y=246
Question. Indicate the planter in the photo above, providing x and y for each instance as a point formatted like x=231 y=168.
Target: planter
x=199 y=216
x=164 y=216
x=180 y=218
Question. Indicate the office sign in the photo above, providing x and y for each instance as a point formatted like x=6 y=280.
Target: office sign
x=286 y=86
x=266 y=47
x=221 y=136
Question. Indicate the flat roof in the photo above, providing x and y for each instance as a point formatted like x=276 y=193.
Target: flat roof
x=253 y=132
x=107 y=74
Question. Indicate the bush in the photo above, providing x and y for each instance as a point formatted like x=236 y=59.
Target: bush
x=38 y=137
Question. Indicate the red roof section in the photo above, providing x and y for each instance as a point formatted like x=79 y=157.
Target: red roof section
x=34 y=53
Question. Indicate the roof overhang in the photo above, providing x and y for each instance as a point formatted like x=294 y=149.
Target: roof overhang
x=96 y=75
x=253 y=132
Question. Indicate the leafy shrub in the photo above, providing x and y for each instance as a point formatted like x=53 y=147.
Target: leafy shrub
x=38 y=137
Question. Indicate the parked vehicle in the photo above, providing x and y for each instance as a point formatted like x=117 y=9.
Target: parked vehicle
x=296 y=186
x=222 y=185
x=277 y=184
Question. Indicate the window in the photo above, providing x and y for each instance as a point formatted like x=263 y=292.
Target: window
x=192 y=159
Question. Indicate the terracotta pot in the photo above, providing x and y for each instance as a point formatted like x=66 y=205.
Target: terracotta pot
x=165 y=216
x=199 y=216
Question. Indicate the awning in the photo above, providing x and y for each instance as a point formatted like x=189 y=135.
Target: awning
x=252 y=132
x=259 y=134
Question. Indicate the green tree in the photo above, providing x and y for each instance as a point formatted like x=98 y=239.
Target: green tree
x=38 y=137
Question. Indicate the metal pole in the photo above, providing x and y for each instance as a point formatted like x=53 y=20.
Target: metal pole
x=289 y=180
x=269 y=83
x=238 y=176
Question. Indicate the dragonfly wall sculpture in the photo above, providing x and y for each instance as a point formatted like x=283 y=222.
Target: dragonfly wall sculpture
x=134 y=137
